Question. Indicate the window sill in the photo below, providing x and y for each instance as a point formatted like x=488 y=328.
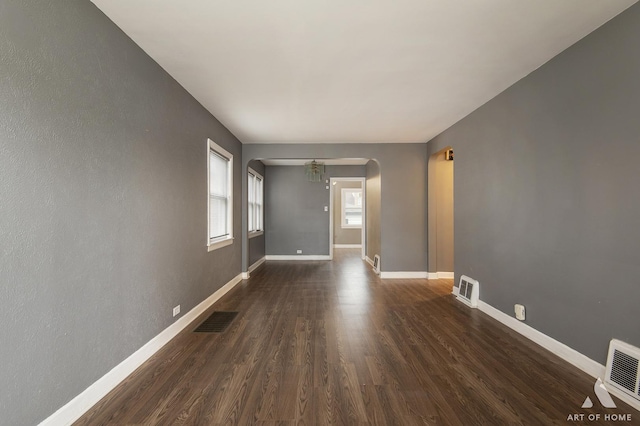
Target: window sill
x=219 y=244
x=255 y=234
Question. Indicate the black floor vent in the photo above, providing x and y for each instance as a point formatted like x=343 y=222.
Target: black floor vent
x=216 y=323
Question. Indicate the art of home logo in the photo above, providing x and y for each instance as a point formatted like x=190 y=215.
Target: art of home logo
x=605 y=400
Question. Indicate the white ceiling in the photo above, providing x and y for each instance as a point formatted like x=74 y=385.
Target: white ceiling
x=293 y=71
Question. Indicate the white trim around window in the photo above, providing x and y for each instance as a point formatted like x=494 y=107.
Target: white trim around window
x=255 y=203
x=219 y=196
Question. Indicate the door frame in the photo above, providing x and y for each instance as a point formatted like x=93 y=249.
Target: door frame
x=363 y=238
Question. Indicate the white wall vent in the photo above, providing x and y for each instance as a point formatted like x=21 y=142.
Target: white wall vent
x=622 y=368
x=468 y=291
x=376 y=264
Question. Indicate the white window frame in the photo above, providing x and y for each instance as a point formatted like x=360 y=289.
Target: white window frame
x=343 y=219
x=255 y=182
x=213 y=244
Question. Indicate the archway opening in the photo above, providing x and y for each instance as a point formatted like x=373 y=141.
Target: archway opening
x=440 y=214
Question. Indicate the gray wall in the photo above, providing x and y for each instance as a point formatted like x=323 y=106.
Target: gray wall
x=343 y=235
x=440 y=226
x=294 y=209
x=103 y=186
x=546 y=192
x=403 y=231
x=256 y=244
x=373 y=200
x=256 y=248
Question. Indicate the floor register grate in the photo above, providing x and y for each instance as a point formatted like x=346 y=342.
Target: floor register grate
x=216 y=323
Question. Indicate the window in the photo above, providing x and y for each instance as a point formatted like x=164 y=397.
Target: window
x=351 y=207
x=220 y=167
x=256 y=202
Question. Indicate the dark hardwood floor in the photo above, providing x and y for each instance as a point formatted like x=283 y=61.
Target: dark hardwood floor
x=323 y=343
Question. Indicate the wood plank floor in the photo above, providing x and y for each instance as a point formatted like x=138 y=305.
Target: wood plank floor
x=322 y=343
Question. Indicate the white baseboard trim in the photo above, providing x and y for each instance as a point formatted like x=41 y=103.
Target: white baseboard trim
x=297 y=257
x=403 y=275
x=257 y=263
x=79 y=405
x=368 y=260
x=247 y=275
x=347 y=246
x=573 y=357
x=584 y=363
x=439 y=275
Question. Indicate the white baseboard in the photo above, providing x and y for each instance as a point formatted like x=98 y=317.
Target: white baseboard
x=347 y=246
x=439 y=275
x=297 y=257
x=257 y=263
x=573 y=357
x=403 y=275
x=570 y=355
x=79 y=405
x=246 y=275
x=368 y=260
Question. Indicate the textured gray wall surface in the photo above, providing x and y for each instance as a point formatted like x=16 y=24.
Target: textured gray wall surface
x=295 y=219
x=343 y=235
x=103 y=188
x=256 y=248
x=372 y=188
x=546 y=184
x=403 y=168
x=294 y=209
x=256 y=244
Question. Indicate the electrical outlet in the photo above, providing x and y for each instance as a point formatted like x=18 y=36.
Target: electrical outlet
x=520 y=312
x=176 y=310
x=326 y=208
x=299 y=251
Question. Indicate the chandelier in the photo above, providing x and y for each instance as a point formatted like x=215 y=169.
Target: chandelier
x=314 y=171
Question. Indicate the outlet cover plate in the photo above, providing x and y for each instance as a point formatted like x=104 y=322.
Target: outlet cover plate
x=520 y=312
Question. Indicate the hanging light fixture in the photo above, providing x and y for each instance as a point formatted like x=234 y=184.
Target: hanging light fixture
x=314 y=171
